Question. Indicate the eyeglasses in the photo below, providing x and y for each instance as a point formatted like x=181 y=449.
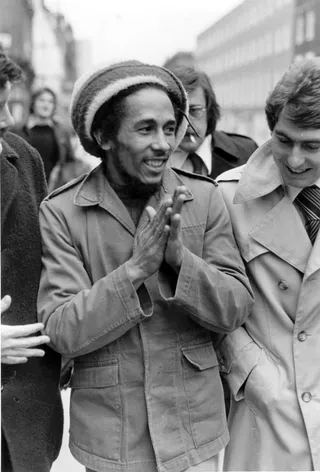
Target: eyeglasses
x=197 y=112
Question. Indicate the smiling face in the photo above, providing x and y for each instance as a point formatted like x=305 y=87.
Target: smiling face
x=296 y=152
x=44 y=105
x=6 y=119
x=144 y=141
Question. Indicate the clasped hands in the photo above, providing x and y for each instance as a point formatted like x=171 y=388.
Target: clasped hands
x=158 y=239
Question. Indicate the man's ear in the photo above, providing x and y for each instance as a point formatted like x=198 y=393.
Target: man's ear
x=104 y=144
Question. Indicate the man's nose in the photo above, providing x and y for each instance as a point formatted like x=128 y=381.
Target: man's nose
x=6 y=119
x=296 y=157
x=161 y=142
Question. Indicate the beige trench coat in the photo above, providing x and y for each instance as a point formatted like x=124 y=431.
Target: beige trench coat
x=272 y=363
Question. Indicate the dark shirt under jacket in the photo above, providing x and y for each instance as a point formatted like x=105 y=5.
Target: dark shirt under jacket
x=43 y=139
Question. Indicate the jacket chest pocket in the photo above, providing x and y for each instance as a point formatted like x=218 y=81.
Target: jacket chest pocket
x=204 y=392
x=96 y=410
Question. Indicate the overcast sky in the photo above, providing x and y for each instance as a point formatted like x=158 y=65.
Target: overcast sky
x=146 y=30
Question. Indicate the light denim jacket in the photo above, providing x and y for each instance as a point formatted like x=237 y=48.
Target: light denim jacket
x=146 y=390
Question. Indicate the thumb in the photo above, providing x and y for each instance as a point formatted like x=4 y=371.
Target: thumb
x=151 y=212
x=5 y=303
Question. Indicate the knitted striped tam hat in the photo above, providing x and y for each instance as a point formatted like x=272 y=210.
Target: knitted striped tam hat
x=95 y=88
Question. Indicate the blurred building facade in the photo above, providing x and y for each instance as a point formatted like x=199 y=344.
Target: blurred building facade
x=245 y=53
x=306 y=29
x=42 y=42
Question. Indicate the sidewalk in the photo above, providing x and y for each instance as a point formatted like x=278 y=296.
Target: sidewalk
x=65 y=461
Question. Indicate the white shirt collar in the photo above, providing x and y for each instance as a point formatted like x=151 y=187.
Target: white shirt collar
x=178 y=159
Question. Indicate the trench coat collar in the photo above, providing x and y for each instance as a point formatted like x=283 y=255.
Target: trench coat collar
x=285 y=237
x=96 y=190
x=260 y=176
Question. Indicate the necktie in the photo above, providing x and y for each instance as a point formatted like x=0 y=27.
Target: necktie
x=196 y=162
x=309 y=202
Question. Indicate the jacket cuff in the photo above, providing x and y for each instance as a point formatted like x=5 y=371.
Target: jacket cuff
x=133 y=300
x=179 y=288
x=238 y=354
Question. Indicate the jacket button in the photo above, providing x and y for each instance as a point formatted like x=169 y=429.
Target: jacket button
x=306 y=397
x=302 y=336
x=17 y=400
x=283 y=285
x=222 y=361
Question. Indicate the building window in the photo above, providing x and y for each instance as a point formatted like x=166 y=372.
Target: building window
x=310 y=25
x=299 y=29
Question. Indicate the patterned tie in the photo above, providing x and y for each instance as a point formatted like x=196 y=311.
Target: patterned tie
x=196 y=162
x=309 y=202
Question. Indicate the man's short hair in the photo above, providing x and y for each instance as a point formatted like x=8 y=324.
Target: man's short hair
x=39 y=92
x=298 y=91
x=181 y=58
x=191 y=79
x=9 y=70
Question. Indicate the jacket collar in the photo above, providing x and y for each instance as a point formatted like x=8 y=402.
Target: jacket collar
x=96 y=190
x=7 y=151
x=222 y=141
x=260 y=176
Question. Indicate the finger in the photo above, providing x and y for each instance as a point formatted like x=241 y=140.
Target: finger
x=164 y=236
x=161 y=217
x=26 y=330
x=175 y=226
x=176 y=210
x=27 y=342
x=5 y=303
x=151 y=212
x=178 y=200
x=20 y=352
x=13 y=360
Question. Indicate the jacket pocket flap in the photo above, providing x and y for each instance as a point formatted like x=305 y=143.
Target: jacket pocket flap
x=201 y=356
x=97 y=376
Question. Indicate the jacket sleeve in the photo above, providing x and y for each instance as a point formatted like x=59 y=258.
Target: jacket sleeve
x=79 y=316
x=238 y=354
x=214 y=289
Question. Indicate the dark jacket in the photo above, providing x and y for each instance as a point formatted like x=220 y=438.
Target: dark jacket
x=32 y=416
x=230 y=150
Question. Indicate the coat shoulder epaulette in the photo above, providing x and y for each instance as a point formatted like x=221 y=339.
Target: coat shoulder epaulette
x=65 y=187
x=194 y=176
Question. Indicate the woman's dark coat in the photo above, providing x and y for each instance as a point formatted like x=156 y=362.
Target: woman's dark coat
x=32 y=416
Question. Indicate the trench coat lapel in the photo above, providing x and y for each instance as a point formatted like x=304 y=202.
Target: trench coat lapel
x=314 y=259
x=280 y=228
x=284 y=236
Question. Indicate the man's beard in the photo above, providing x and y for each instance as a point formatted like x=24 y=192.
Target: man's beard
x=133 y=186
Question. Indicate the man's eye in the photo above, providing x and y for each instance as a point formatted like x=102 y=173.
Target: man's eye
x=312 y=146
x=145 y=129
x=170 y=130
x=283 y=140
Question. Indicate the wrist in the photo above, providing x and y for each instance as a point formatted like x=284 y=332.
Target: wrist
x=135 y=274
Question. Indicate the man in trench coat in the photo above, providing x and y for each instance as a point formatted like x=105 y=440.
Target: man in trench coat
x=272 y=362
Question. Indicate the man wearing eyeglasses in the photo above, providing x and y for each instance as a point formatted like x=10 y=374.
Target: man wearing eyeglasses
x=204 y=150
